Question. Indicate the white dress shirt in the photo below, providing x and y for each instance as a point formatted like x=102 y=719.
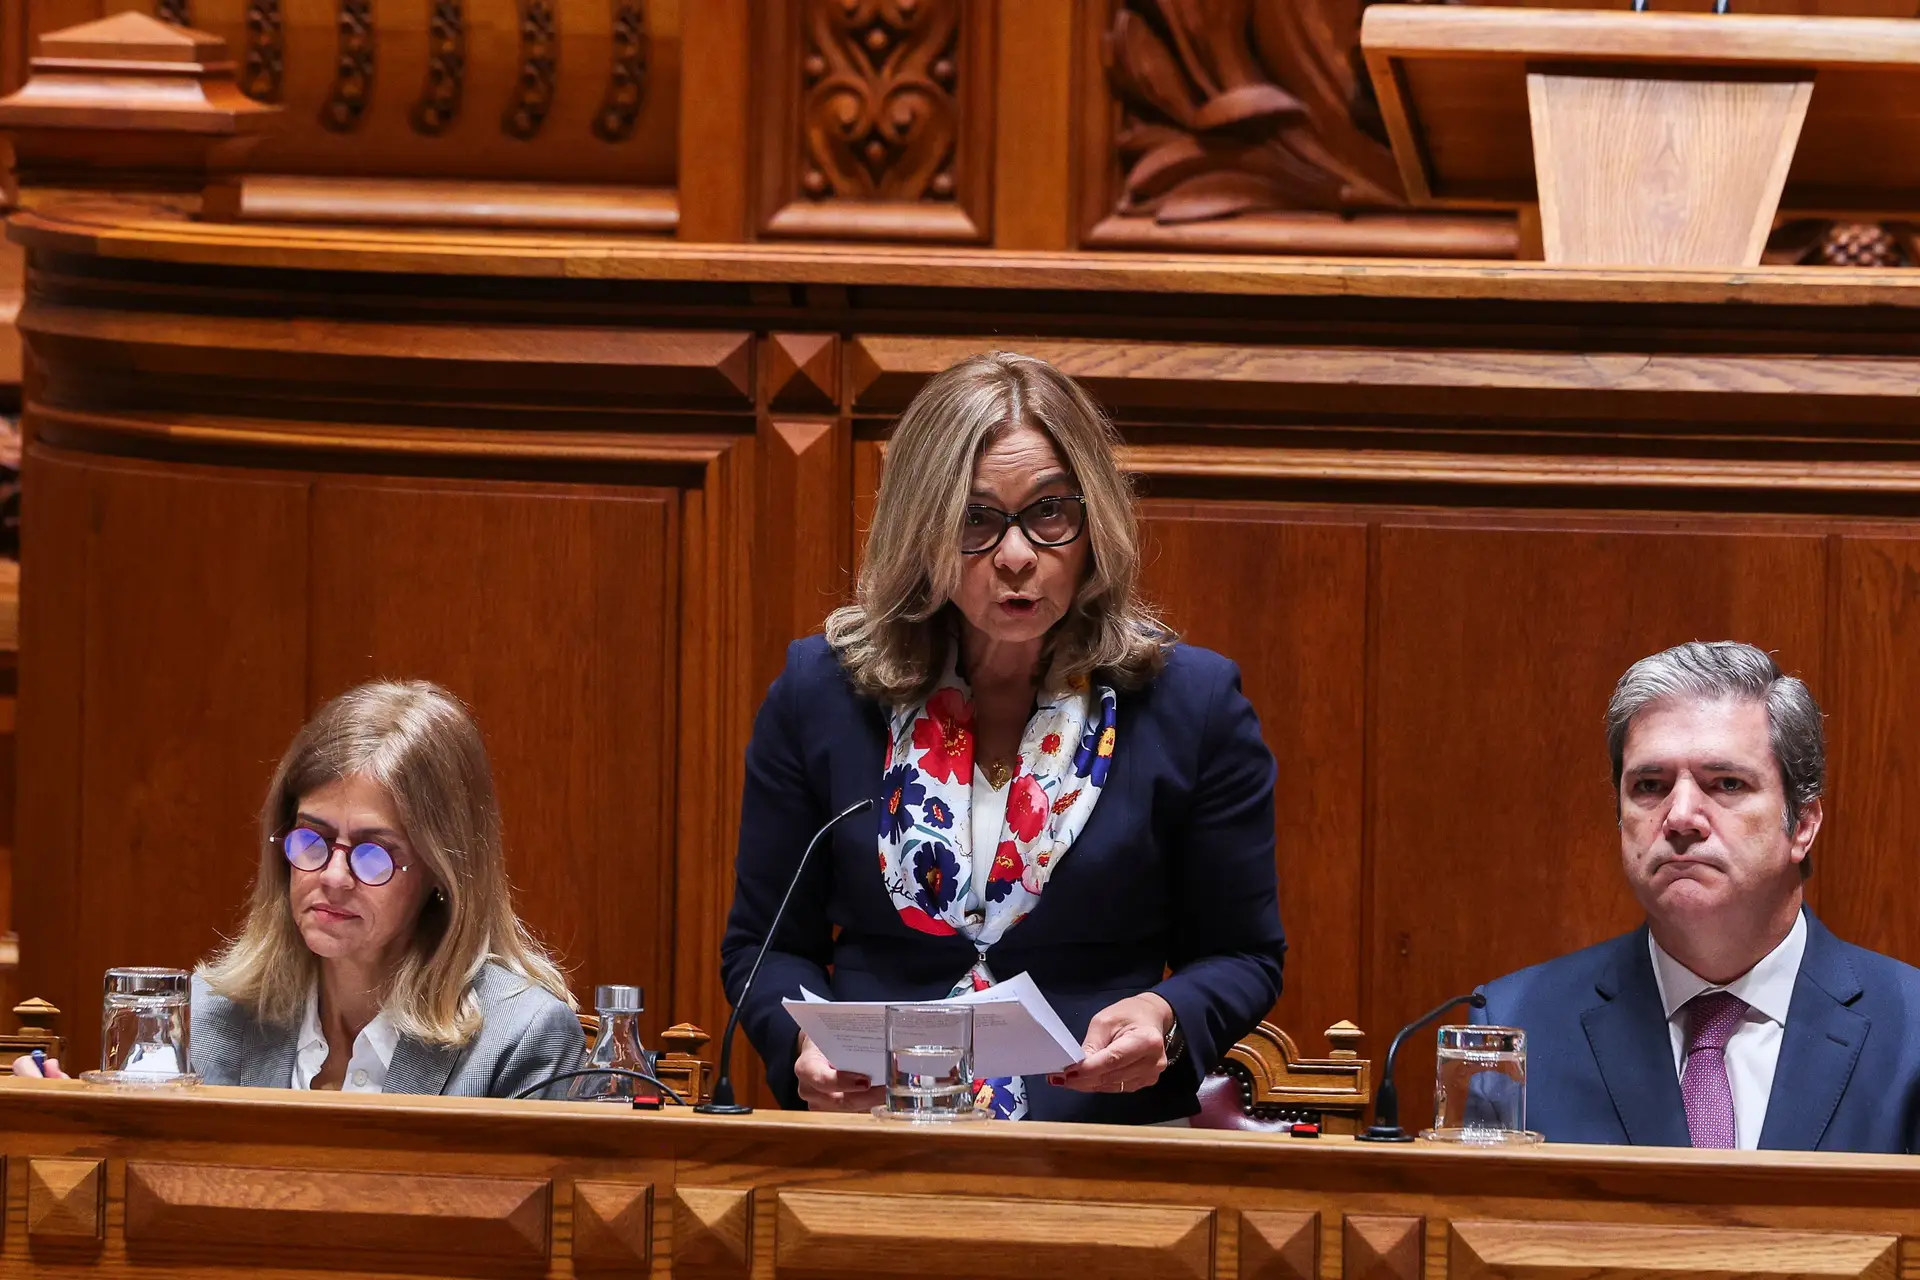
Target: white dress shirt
x=1753 y=1051
x=372 y=1051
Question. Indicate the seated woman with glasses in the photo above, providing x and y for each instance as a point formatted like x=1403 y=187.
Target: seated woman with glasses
x=381 y=952
x=1062 y=789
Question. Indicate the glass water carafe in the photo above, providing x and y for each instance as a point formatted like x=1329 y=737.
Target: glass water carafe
x=618 y=1045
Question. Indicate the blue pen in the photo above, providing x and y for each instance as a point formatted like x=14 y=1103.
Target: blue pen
x=40 y=1061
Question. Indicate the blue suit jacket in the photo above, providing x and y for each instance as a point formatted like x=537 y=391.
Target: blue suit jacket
x=1600 y=1058
x=1173 y=869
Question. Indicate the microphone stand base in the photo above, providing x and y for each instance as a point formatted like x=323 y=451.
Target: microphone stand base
x=722 y=1109
x=1384 y=1133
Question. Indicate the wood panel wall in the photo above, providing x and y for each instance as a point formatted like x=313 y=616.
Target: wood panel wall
x=509 y=413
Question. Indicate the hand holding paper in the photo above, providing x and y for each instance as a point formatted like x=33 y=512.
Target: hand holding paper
x=1015 y=1031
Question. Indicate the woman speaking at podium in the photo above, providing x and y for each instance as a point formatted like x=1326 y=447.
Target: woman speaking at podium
x=380 y=952
x=1061 y=788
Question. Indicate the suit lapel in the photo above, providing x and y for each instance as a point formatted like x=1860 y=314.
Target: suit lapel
x=420 y=1068
x=266 y=1060
x=1633 y=1050
x=1818 y=1048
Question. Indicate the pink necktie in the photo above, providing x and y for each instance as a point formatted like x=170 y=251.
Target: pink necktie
x=1711 y=1019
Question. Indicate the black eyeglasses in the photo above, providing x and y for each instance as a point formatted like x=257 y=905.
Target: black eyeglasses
x=1047 y=522
x=369 y=863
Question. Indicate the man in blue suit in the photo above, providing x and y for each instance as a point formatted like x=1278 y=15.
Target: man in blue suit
x=1732 y=1017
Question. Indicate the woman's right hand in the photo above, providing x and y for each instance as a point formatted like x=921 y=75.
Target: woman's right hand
x=823 y=1088
x=24 y=1068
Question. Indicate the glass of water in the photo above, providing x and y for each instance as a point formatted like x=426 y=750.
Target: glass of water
x=144 y=1028
x=929 y=1062
x=1480 y=1087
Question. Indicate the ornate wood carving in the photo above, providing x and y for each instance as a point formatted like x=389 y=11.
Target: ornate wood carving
x=266 y=51
x=713 y=1230
x=889 y=128
x=1250 y=125
x=446 y=69
x=881 y=115
x=857 y=1233
x=1240 y=107
x=66 y=1198
x=1279 y=1246
x=627 y=79
x=178 y=12
x=1568 y=1250
x=1381 y=1248
x=281 y=1215
x=612 y=1225
x=353 y=72
x=1819 y=242
x=539 y=61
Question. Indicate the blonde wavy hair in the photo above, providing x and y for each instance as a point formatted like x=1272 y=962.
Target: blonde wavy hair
x=417 y=741
x=892 y=639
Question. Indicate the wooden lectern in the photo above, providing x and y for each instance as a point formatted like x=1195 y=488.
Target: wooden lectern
x=1650 y=139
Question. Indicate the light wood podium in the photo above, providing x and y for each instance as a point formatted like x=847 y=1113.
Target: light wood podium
x=1650 y=139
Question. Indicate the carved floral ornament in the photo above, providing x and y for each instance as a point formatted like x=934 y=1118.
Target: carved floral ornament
x=1242 y=106
x=880 y=115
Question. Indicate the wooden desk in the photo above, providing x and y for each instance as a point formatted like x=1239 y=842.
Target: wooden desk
x=231 y=1182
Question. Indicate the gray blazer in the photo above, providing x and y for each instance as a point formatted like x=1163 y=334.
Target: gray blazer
x=525 y=1036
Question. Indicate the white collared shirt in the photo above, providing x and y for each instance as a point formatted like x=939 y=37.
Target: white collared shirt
x=372 y=1051
x=988 y=822
x=1753 y=1051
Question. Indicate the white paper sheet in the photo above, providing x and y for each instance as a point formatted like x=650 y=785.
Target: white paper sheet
x=1015 y=1031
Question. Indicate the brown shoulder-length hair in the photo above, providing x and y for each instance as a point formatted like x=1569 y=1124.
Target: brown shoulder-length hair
x=892 y=639
x=417 y=741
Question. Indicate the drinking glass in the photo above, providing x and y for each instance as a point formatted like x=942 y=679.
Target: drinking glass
x=144 y=1028
x=929 y=1062
x=1480 y=1087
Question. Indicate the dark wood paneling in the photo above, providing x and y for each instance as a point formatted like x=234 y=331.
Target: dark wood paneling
x=553 y=612
x=1863 y=880
x=1492 y=820
x=1283 y=594
x=188 y=684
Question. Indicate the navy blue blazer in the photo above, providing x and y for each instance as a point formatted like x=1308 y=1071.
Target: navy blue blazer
x=1173 y=870
x=1600 y=1057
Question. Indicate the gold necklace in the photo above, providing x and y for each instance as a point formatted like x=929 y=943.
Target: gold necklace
x=998 y=774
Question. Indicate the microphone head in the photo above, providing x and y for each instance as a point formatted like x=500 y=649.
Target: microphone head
x=1478 y=1000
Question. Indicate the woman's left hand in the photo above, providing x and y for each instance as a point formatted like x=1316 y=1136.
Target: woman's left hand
x=1126 y=1047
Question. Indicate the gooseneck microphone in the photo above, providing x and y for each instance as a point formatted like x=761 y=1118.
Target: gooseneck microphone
x=1386 y=1100
x=720 y=1102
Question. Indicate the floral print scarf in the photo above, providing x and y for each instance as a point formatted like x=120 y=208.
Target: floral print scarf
x=926 y=828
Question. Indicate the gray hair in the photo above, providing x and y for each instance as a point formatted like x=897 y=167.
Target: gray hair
x=1727 y=669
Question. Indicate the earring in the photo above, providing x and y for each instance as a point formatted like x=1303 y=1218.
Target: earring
x=439 y=895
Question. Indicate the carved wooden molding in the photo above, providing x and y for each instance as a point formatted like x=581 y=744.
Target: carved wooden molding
x=848 y=1233
x=85 y=116
x=439 y=100
x=689 y=366
x=880 y=119
x=803 y=371
x=534 y=88
x=442 y=203
x=1279 y=1246
x=1242 y=126
x=1275 y=1074
x=229 y=1211
x=353 y=75
x=66 y=1199
x=266 y=54
x=713 y=1230
x=1381 y=1248
x=627 y=77
x=1574 y=1250
x=612 y=1225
